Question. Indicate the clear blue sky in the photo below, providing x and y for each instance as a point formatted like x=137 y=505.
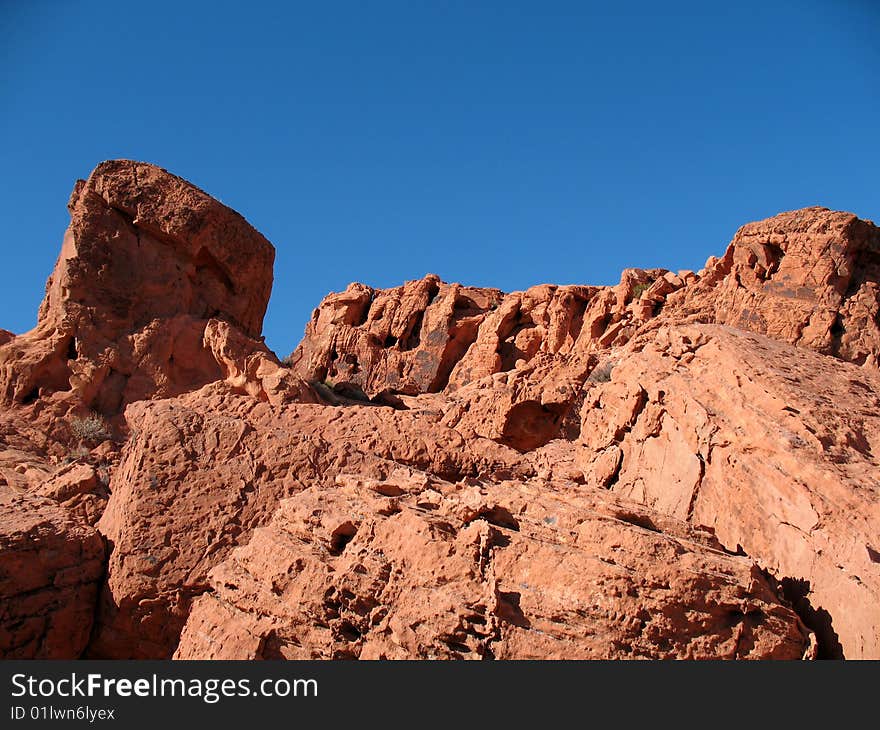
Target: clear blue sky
x=502 y=144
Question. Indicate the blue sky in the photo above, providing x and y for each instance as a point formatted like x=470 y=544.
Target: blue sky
x=499 y=144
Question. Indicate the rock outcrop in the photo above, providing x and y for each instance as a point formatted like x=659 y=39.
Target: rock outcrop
x=203 y=470
x=412 y=567
x=50 y=568
x=147 y=261
x=681 y=465
x=772 y=447
x=808 y=277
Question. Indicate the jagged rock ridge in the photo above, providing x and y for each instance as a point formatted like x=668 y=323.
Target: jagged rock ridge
x=683 y=465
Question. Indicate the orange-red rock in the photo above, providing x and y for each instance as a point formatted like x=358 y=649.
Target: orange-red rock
x=681 y=465
x=80 y=487
x=203 y=470
x=771 y=446
x=50 y=566
x=808 y=277
x=147 y=260
x=409 y=568
x=406 y=339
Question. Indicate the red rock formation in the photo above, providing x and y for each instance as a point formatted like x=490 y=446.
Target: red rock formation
x=411 y=567
x=147 y=260
x=773 y=447
x=809 y=277
x=159 y=290
x=533 y=379
x=202 y=471
x=682 y=465
x=50 y=566
x=406 y=339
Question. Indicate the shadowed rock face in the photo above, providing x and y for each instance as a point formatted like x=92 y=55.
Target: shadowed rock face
x=682 y=465
x=50 y=567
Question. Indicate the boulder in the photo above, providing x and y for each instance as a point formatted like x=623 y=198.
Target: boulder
x=50 y=568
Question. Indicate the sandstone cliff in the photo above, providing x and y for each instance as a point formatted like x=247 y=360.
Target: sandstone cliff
x=682 y=465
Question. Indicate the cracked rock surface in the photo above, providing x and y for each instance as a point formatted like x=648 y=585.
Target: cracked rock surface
x=683 y=465
x=50 y=568
x=411 y=567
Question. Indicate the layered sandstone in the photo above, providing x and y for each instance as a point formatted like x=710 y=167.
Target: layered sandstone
x=681 y=465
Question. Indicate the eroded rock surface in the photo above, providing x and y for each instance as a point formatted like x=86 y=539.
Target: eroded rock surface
x=50 y=567
x=411 y=567
x=681 y=465
x=202 y=471
x=808 y=277
x=771 y=446
x=147 y=261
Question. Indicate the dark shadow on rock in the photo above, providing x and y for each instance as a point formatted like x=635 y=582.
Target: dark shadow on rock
x=797 y=591
x=509 y=610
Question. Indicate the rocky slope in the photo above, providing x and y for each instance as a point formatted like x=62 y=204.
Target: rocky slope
x=682 y=465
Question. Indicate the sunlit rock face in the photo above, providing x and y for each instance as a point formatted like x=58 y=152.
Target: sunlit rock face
x=683 y=465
